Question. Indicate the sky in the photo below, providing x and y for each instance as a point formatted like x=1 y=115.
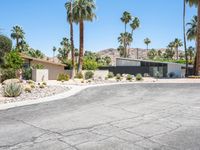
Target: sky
x=44 y=22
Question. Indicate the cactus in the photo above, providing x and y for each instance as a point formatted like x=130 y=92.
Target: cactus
x=12 y=89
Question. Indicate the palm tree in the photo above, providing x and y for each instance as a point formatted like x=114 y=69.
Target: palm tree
x=121 y=50
x=76 y=55
x=197 y=60
x=191 y=52
x=147 y=41
x=66 y=44
x=17 y=34
x=54 y=50
x=69 y=8
x=83 y=11
x=192 y=30
x=135 y=24
x=177 y=43
x=126 y=39
x=126 y=18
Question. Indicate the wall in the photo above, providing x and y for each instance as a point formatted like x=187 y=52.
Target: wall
x=176 y=68
x=39 y=75
x=54 y=70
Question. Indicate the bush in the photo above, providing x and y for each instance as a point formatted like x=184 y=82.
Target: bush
x=172 y=75
x=89 y=75
x=38 y=66
x=79 y=76
x=139 y=77
x=42 y=86
x=27 y=88
x=27 y=73
x=30 y=82
x=129 y=77
x=13 y=60
x=89 y=64
x=8 y=74
x=63 y=77
x=32 y=86
x=110 y=75
x=44 y=83
x=12 y=89
x=118 y=77
x=5 y=46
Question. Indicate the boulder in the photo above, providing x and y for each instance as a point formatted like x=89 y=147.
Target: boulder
x=10 y=80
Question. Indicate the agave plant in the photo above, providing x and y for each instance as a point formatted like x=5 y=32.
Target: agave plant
x=12 y=89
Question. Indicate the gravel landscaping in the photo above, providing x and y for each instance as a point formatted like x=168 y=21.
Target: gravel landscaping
x=35 y=94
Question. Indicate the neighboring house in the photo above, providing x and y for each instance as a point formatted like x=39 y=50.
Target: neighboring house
x=53 y=68
x=153 y=68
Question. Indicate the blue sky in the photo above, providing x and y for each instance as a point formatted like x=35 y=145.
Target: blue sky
x=44 y=22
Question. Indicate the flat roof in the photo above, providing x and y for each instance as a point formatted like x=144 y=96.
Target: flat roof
x=41 y=60
x=141 y=60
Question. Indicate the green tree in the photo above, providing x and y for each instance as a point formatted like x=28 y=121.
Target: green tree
x=126 y=39
x=5 y=47
x=152 y=54
x=83 y=10
x=147 y=41
x=191 y=53
x=192 y=30
x=69 y=8
x=13 y=60
x=169 y=54
x=54 y=51
x=126 y=18
x=35 y=53
x=67 y=46
x=17 y=34
x=177 y=43
x=121 y=50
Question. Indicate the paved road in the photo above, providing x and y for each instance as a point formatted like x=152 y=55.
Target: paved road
x=119 y=117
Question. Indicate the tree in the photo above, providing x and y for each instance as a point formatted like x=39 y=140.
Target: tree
x=152 y=54
x=177 y=43
x=147 y=41
x=13 y=60
x=66 y=45
x=135 y=24
x=191 y=53
x=83 y=10
x=192 y=30
x=35 y=53
x=121 y=50
x=54 y=50
x=5 y=47
x=62 y=55
x=126 y=18
x=69 y=7
x=17 y=34
x=126 y=39
x=197 y=61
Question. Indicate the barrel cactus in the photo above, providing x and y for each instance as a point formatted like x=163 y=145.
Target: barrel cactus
x=12 y=89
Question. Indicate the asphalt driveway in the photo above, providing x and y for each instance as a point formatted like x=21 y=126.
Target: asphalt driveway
x=117 y=117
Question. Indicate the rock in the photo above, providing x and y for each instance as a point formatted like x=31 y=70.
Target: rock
x=10 y=80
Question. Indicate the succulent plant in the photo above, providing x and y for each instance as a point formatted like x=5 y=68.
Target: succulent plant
x=12 y=89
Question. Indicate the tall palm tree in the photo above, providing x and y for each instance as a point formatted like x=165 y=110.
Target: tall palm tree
x=135 y=24
x=17 y=34
x=184 y=37
x=69 y=8
x=126 y=39
x=54 y=50
x=126 y=18
x=191 y=52
x=192 y=30
x=66 y=45
x=83 y=10
x=197 y=60
x=177 y=43
x=147 y=41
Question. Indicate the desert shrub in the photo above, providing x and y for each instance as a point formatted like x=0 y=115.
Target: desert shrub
x=8 y=74
x=32 y=86
x=138 y=77
x=12 y=89
x=27 y=88
x=27 y=73
x=63 y=77
x=172 y=75
x=30 y=82
x=44 y=83
x=89 y=75
x=129 y=77
x=118 y=77
x=89 y=64
x=79 y=76
x=111 y=75
x=42 y=86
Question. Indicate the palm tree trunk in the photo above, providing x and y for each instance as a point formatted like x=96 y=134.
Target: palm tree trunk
x=81 y=50
x=17 y=43
x=198 y=42
x=72 y=42
x=176 y=53
x=184 y=35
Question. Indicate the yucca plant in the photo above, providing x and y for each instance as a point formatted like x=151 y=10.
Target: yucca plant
x=12 y=89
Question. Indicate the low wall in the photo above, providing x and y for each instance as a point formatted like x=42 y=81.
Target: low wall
x=39 y=75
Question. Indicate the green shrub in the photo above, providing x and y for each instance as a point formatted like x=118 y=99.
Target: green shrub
x=110 y=75
x=13 y=60
x=89 y=64
x=129 y=77
x=30 y=82
x=42 y=86
x=8 y=74
x=12 y=89
x=27 y=88
x=89 y=75
x=139 y=77
x=32 y=86
x=5 y=47
x=118 y=77
x=63 y=77
x=44 y=83
x=38 y=66
x=27 y=73
x=79 y=76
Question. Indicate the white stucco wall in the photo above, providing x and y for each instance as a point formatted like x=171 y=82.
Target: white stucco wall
x=176 y=68
x=39 y=75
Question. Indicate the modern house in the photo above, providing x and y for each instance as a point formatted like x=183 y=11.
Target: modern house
x=53 y=68
x=152 y=68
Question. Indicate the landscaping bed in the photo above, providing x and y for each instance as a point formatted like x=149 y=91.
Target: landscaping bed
x=35 y=94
